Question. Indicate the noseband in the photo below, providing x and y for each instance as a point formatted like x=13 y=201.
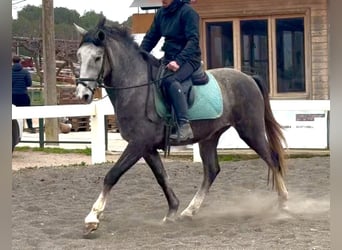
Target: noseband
x=98 y=80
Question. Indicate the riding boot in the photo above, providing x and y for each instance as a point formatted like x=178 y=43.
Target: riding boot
x=181 y=107
x=184 y=133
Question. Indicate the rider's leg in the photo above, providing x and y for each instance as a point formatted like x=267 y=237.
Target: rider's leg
x=173 y=88
x=180 y=106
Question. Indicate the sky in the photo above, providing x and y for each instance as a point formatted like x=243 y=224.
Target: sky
x=115 y=10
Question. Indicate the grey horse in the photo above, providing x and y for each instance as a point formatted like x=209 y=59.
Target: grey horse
x=109 y=57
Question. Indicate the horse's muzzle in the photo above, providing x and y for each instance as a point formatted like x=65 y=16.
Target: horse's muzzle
x=84 y=94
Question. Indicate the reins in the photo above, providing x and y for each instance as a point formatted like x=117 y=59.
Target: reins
x=129 y=87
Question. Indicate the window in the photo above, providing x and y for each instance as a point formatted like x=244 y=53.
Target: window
x=220 y=45
x=254 y=48
x=290 y=55
x=272 y=47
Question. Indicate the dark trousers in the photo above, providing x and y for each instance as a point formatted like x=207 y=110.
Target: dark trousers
x=21 y=100
x=172 y=85
x=180 y=75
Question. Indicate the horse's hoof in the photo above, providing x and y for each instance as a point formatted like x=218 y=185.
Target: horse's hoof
x=184 y=217
x=168 y=219
x=89 y=228
x=283 y=207
x=282 y=204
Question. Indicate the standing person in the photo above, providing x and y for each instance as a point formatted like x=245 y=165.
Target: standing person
x=21 y=79
x=178 y=23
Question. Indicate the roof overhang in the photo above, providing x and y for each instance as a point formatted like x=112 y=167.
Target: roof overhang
x=147 y=4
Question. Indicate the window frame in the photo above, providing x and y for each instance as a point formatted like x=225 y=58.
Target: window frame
x=272 y=70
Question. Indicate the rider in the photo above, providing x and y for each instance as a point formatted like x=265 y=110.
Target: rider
x=178 y=23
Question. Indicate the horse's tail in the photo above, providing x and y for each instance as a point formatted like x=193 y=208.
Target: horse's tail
x=274 y=132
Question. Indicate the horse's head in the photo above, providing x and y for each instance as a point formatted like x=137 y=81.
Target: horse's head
x=105 y=52
x=90 y=55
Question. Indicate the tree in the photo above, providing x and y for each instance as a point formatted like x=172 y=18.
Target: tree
x=128 y=22
x=26 y=28
x=30 y=12
x=89 y=19
x=65 y=16
x=29 y=22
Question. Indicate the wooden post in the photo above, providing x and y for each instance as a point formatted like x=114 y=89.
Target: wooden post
x=50 y=90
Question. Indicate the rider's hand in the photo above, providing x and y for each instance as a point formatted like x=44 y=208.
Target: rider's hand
x=173 y=66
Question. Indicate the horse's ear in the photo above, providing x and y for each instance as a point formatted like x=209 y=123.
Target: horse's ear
x=80 y=29
x=100 y=35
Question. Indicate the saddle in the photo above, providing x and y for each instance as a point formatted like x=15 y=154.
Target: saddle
x=198 y=77
x=203 y=95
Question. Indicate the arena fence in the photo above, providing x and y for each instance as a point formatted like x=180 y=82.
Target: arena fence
x=305 y=122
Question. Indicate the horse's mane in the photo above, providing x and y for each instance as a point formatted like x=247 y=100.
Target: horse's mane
x=119 y=33
x=114 y=31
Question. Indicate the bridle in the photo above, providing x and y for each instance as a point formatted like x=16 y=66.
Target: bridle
x=100 y=79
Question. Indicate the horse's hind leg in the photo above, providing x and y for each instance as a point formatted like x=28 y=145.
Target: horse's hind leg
x=129 y=157
x=211 y=169
x=156 y=165
x=255 y=138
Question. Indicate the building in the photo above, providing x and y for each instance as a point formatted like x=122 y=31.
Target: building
x=286 y=42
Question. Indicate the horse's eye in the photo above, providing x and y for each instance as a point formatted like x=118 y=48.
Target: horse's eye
x=98 y=58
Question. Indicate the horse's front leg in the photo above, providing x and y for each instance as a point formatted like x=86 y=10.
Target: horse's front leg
x=129 y=157
x=156 y=165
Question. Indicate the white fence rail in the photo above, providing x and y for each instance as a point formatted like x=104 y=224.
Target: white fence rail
x=309 y=111
x=96 y=110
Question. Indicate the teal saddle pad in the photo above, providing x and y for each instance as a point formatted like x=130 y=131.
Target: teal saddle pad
x=208 y=102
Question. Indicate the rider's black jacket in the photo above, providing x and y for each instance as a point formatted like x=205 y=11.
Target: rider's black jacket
x=179 y=25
